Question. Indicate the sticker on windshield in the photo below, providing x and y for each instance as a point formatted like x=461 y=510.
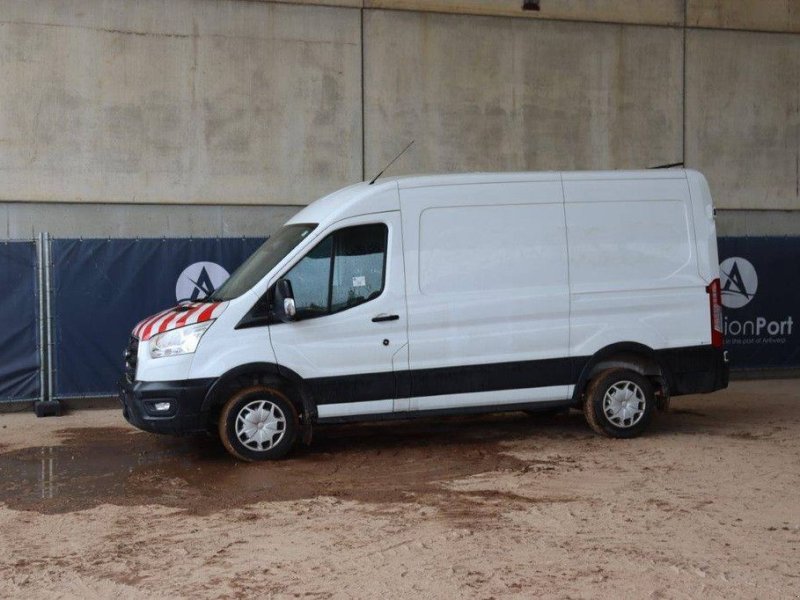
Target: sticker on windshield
x=359 y=281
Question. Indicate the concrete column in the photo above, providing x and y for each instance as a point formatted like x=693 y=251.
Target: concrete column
x=743 y=116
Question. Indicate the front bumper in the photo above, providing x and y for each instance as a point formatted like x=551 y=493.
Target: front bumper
x=185 y=398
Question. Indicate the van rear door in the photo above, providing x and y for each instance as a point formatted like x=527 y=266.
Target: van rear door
x=488 y=294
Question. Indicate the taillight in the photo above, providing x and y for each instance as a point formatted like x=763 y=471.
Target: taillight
x=715 y=300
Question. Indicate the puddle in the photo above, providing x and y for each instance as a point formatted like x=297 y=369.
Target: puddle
x=385 y=462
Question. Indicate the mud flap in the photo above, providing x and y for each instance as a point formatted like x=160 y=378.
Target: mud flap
x=662 y=395
x=309 y=416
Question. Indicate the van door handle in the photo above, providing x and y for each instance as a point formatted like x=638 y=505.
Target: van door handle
x=381 y=318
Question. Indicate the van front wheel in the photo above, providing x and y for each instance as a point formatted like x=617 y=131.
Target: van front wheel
x=619 y=403
x=258 y=423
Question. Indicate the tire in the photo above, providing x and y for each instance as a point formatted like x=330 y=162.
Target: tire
x=258 y=423
x=626 y=417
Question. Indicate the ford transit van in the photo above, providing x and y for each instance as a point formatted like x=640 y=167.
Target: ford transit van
x=443 y=295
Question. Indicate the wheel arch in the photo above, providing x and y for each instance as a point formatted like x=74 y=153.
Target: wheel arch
x=259 y=371
x=631 y=355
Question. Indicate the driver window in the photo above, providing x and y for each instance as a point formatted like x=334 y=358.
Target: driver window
x=344 y=270
x=310 y=279
x=357 y=266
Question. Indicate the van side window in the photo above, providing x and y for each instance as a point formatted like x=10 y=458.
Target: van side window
x=344 y=270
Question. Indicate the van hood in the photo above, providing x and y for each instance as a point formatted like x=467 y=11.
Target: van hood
x=186 y=313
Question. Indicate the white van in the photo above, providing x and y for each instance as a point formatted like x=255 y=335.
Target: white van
x=443 y=295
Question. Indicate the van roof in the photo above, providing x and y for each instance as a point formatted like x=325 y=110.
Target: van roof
x=341 y=202
x=414 y=181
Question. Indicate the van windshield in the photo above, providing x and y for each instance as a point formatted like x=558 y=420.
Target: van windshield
x=262 y=261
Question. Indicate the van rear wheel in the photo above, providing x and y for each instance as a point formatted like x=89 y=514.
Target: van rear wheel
x=619 y=403
x=258 y=423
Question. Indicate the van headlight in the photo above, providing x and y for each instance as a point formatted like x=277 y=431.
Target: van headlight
x=183 y=340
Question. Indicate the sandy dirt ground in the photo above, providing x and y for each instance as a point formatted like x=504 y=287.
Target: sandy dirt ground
x=706 y=505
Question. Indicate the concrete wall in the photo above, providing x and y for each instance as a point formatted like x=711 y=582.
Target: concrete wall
x=485 y=93
x=149 y=109
x=643 y=12
x=164 y=101
x=758 y=15
x=743 y=116
x=23 y=220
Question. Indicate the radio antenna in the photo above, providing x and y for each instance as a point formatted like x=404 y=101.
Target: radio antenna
x=374 y=179
x=668 y=166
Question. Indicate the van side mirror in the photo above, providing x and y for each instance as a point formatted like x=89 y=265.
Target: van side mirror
x=284 y=306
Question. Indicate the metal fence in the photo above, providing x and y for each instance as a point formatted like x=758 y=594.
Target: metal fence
x=67 y=306
x=21 y=324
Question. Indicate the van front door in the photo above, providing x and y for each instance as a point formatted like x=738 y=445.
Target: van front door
x=349 y=341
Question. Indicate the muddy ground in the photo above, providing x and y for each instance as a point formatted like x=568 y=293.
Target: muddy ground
x=706 y=505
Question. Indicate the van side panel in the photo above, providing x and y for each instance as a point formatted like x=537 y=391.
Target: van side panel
x=633 y=265
x=486 y=284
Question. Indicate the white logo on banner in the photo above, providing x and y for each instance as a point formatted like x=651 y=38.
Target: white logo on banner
x=739 y=281
x=199 y=280
x=739 y=285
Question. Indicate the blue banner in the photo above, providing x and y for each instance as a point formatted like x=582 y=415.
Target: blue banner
x=761 y=301
x=19 y=334
x=102 y=288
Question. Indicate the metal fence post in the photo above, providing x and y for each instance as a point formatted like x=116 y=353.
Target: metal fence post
x=48 y=406
x=49 y=312
x=42 y=330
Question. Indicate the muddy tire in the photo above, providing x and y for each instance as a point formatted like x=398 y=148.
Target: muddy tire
x=258 y=423
x=619 y=403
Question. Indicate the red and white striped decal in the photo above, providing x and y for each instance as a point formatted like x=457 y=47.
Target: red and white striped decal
x=178 y=316
x=137 y=331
